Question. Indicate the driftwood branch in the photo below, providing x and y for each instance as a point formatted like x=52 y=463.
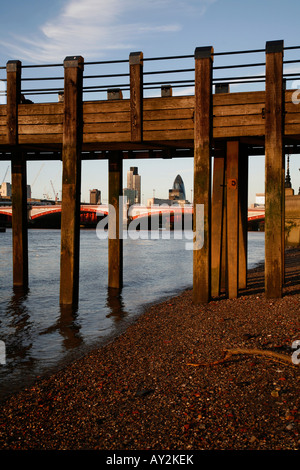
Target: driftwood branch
x=253 y=352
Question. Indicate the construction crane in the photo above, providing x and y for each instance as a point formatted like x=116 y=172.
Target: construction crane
x=5 y=175
x=55 y=195
x=36 y=176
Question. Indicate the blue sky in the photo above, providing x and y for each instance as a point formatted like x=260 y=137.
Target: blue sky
x=38 y=32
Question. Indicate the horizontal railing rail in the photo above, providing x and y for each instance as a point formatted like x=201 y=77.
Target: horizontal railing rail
x=154 y=78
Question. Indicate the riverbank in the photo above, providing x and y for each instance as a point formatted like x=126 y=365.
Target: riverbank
x=155 y=387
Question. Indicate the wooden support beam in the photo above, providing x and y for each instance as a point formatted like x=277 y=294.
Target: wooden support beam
x=115 y=221
x=224 y=270
x=217 y=217
x=136 y=95
x=18 y=178
x=202 y=170
x=274 y=169
x=71 y=181
x=19 y=220
x=13 y=74
x=233 y=151
x=243 y=217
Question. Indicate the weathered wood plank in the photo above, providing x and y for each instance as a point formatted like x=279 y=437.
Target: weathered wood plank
x=172 y=124
x=71 y=182
x=136 y=95
x=19 y=220
x=107 y=117
x=180 y=134
x=13 y=72
x=292 y=129
x=40 y=108
x=239 y=109
x=180 y=102
x=202 y=173
x=107 y=137
x=274 y=163
x=103 y=127
x=40 y=119
x=40 y=129
x=292 y=118
x=243 y=217
x=217 y=218
x=232 y=168
x=249 y=97
x=115 y=242
x=111 y=106
x=239 y=131
x=168 y=114
x=40 y=139
x=18 y=179
x=292 y=108
x=237 y=121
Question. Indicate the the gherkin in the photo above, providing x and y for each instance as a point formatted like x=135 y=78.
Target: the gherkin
x=178 y=185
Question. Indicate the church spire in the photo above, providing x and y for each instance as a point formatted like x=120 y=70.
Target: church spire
x=288 y=183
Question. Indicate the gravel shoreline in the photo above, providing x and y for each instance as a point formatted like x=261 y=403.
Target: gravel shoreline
x=154 y=388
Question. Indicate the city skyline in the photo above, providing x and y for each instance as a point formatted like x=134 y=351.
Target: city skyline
x=165 y=181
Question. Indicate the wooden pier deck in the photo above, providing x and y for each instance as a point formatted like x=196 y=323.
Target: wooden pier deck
x=224 y=126
x=167 y=122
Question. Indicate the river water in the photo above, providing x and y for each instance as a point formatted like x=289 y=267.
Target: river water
x=37 y=336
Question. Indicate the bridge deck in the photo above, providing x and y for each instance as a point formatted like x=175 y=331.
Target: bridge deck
x=167 y=121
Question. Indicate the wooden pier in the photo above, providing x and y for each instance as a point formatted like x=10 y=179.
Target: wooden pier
x=220 y=127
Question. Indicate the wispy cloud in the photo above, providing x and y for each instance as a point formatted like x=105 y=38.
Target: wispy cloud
x=92 y=28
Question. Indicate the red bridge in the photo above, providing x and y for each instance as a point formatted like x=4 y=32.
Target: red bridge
x=49 y=215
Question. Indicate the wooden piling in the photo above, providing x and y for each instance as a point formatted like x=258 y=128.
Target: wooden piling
x=71 y=181
x=136 y=95
x=274 y=170
x=243 y=217
x=233 y=151
x=224 y=270
x=18 y=178
x=115 y=221
x=217 y=217
x=218 y=213
x=202 y=170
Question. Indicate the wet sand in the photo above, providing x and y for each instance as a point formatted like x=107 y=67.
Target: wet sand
x=164 y=383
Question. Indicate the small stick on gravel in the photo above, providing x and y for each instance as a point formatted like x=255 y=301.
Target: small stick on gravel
x=253 y=352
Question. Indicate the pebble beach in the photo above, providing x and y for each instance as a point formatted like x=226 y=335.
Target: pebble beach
x=166 y=383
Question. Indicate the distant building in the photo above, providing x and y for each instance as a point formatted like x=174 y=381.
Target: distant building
x=134 y=183
x=178 y=190
x=95 y=196
x=6 y=190
x=176 y=195
x=131 y=195
x=259 y=199
x=155 y=201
